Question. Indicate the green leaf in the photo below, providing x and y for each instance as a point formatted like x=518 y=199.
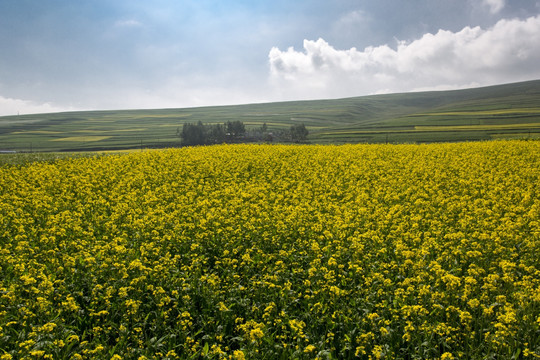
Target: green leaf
x=205 y=349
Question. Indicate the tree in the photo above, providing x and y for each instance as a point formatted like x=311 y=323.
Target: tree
x=236 y=128
x=299 y=132
x=193 y=134
x=215 y=134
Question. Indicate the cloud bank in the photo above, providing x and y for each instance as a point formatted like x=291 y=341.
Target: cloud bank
x=494 y=6
x=9 y=106
x=506 y=52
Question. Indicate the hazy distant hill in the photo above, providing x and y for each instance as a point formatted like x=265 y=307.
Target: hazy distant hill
x=502 y=111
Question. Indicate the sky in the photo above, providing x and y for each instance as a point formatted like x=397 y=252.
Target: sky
x=65 y=55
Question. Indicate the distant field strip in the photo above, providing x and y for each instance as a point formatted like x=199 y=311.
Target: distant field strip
x=92 y=131
x=39 y=132
x=83 y=138
x=357 y=132
x=95 y=131
x=477 y=127
x=263 y=114
x=132 y=116
x=435 y=128
x=483 y=112
x=130 y=130
x=515 y=136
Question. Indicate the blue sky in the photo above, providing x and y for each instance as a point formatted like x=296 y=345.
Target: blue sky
x=59 y=55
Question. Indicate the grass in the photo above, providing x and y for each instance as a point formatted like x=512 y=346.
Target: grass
x=22 y=159
x=27 y=158
x=461 y=115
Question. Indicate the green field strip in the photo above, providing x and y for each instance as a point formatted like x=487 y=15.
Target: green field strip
x=434 y=129
x=504 y=111
x=37 y=132
x=528 y=135
x=477 y=127
x=82 y=138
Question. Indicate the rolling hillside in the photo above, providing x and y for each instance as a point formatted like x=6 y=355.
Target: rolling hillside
x=502 y=111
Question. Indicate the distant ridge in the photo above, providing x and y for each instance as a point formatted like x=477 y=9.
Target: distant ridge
x=484 y=113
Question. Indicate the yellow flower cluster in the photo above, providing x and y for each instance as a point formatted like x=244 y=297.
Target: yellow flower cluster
x=260 y=251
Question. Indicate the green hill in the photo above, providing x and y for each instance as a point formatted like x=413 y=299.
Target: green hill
x=502 y=111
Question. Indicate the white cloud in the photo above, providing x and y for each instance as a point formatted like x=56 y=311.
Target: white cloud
x=506 y=52
x=494 y=5
x=10 y=106
x=354 y=19
x=128 y=23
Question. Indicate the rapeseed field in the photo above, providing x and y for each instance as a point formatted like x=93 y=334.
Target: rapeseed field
x=274 y=252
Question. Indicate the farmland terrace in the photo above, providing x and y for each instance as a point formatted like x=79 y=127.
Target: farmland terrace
x=495 y=112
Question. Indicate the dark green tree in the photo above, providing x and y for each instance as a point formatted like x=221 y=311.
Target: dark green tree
x=235 y=128
x=201 y=134
x=193 y=134
x=299 y=132
x=215 y=134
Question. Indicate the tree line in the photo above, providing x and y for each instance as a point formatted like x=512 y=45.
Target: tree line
x=235 y=132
